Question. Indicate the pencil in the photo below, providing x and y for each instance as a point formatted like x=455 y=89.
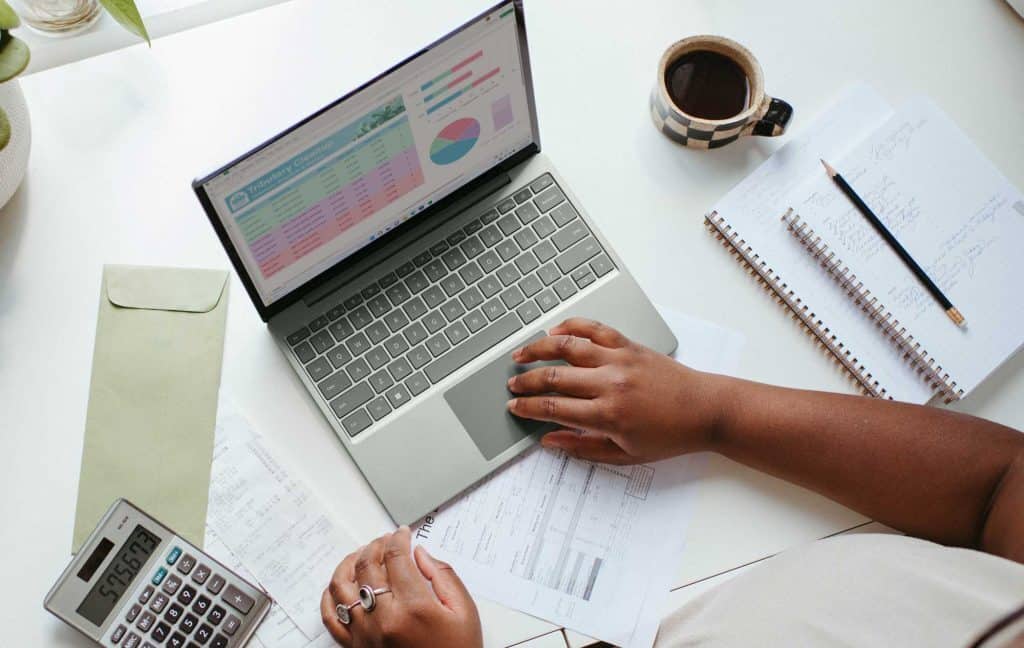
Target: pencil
x=880 y=227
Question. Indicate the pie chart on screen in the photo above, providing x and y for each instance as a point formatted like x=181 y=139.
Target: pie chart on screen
x=454 y=141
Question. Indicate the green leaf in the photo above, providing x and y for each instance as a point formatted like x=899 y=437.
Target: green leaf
x=126 y=13
x=5 y=129
x=8 y=18
x=14 y=56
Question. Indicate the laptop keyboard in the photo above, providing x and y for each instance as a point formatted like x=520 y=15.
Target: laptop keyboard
x=449 y=302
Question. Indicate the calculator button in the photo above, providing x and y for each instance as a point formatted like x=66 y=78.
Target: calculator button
x=132 y=640
x=203 y=634
x=174 y=613
x=161 y=631
x=133 y=613
x=158 y=577
x=188 y=622
x=216 y=615
x=177 y=640
x=201 y=605
x=174 y=555
x=118 y=634
x=186 y=564
x=159 y=602
x=238 y=599
x=171 y=585
x=220 y=641
x=146 y=621
x=200 y=575
x=216 y=584
x=231 y=625
x=187 y=594
x=148 y=645
x=146 y=594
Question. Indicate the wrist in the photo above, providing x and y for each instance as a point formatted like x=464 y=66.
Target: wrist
x=723 y=395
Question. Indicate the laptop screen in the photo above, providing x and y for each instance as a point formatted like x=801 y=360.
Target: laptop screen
x=341 y=180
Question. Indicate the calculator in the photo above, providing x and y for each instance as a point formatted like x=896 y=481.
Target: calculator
x=137 y=584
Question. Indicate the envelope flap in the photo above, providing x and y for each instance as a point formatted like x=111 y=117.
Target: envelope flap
x=189 y=290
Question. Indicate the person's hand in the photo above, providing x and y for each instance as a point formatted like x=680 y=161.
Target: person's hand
x=428 y=605
x=618 y=401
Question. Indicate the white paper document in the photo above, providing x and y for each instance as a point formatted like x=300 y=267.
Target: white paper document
x=589 y=546
x=270 y=522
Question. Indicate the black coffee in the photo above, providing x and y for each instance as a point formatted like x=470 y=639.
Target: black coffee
x=707 y=84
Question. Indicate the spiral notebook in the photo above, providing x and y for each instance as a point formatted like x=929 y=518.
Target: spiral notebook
x=956 y=214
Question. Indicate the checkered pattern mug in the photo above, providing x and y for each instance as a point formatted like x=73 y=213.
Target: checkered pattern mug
x=762 y=115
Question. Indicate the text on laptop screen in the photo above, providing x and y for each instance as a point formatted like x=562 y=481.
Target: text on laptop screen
x=336 y=183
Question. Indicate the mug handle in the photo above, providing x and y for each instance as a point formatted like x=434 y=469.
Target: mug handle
x=774 y=118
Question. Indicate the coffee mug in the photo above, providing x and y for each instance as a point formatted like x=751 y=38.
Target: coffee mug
x=710 y=92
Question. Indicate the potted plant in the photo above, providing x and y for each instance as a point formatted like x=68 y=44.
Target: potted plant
x=15 y=134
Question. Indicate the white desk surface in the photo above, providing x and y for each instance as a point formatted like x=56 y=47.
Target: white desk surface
x=117 y=139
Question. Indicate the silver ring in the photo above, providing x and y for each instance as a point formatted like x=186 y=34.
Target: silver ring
x=343 y=611
x=368 y=596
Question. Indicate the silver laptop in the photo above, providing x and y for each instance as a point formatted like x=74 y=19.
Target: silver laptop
x=402 y=241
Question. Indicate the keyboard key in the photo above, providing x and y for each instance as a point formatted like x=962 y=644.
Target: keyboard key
x=159 y=576
x=526 y=238
x=201 y=605
x=508 y=275
x=146 y=594
x=568 y=235
x=435 y=270
x=526 y=262
x=318 y=369
x=507 y=250
x=549 y=199
x=541 y=183
x=494 y=309
x=379 y=408
x=381 y=381
x=544 y=227
x=219 y=641
x=187 y=595
x=475 y=321
x=489 y=286
x=602 y=265
x=238 y=599
x=434 y=322
x=388 y=280
x=396 y=345
x=216 y=615
x=473 y=227
x=399 y=369
x=161 y=631
x=203 y=634
x=336 y=312
x=455 y=238
x=508 y=224
x=438 y=344
x=329 y=387
x=580 y=274
x=377 y=332
x=360 y=317
x=118 y=634
x=530 y=285
x=171 y=585
x=417 y=383
x=318 y=323
x=341 y=329
x=547 y=300
x=358 y=369
x=471 y=273
x=415 y=308
x=174 y=612
x=417 y=282
x=353 y=301
x=421 y=259
x=577 y=254
x=301 y=334
x=370 y=291
x=146 y=621
x=433 y=296
x=504 y=207
x=159 y=602
x=527 y=213
x=377 y=357
x=132 y=640
x=405 y=269
x=357 y=344
x=338 y=356
x=522 y=195
x=176 y=640
x=563 y=214
x=456 y=333
x=472 y=247
x=397 y=396
x=133 y=613
x=453 y=259
x=473 y=347
x=545 y=251
x=453 y=310
x=188 y=623
x=549 y=274
x=232 y=625
x=452 y=285
x=489 y=262
x=344 y=404
x=512 y=297
x=471 y=298
x=490 y=236
x=379 y=305
x=398 y=294
x=418 y=356
x=217 y=581
x=322 y=341
x=528 y=312
x=354 y=423
x=564 y=288
x=415 y=333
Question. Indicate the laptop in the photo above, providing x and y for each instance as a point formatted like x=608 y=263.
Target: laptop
x=401 y=242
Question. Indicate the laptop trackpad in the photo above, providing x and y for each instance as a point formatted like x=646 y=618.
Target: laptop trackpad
x=481 y=403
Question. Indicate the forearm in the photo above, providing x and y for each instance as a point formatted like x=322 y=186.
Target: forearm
x=926 y=471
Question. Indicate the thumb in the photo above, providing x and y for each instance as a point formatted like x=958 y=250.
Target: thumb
x=448 y=587
x=589 y=446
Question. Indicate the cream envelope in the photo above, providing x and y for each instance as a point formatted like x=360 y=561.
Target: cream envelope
x=153 y=397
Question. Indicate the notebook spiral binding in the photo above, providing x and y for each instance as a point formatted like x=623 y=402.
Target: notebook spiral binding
x=809 y=321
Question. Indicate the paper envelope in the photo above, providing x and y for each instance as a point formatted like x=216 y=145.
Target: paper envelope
x=153 y=396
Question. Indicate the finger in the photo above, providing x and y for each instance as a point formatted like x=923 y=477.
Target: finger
x=600 y=333
x=448 y=587
x=369 y=566
x=592 y=447
x=563 y=410
x=342 y=587
x=571 y=381
x=577 y=351
x=406 y=580
x=329 y=616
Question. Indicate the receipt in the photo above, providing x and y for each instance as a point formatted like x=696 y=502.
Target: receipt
x=268 y=519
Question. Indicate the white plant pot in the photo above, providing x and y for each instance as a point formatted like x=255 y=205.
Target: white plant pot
x=14 y=157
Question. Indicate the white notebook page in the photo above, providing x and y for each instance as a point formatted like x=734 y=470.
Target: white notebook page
x=956 y=215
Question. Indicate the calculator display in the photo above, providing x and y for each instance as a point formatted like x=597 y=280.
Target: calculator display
x=118 y=576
